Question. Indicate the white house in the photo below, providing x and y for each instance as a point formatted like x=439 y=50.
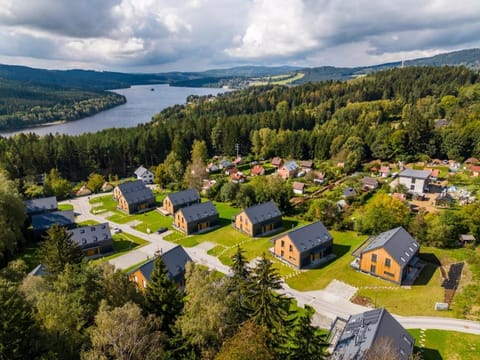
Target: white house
x=144 y=174
x=416 y=181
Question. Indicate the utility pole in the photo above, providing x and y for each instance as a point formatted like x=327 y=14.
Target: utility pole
x=237 y=148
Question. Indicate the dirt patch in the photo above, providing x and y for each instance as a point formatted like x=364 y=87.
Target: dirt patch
x=362 y=300
x=426 y=204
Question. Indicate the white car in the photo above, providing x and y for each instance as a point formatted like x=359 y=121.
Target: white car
x=116 y=230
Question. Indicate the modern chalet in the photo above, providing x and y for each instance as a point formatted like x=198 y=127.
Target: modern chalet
x=175 y=260
x=305 y=247
x=177 y=200
x=369 y=335
x=41 y=205
x=144 y=174
x=94 y=240
x=391 y=255
x=196 y=218
x=416 y=181
x=133 y=197
x=259 y=220
x=43 y=222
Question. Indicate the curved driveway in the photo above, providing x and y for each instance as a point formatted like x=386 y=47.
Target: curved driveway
x=327 y=304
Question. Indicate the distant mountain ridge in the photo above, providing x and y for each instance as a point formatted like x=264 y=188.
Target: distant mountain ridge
x=106 y=80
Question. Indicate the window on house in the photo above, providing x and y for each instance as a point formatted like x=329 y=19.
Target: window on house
x=282 y=254
x=412 y=187
x=290 y=248
x=373 y=269
x=282 y=243
x=84 y=241
x=407 y=340
x=374 y=257
x=388 y=262
x=95 y=238
x=389 y=274
x=82 y=231
x=93 y=228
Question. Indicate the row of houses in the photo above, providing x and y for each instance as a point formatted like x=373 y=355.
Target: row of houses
x=94 y=240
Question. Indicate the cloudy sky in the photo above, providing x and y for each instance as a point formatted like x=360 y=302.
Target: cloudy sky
x=165 y=35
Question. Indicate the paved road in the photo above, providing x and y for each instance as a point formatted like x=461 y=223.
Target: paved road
x=327 y=304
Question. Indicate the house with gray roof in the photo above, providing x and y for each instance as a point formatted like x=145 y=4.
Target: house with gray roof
x=177 y=200
x=369 y=334
x=416 y=181
x=41 y=205
x=259 y=220
x=133 y=197
x=305 y=247
x=289 y=170
x=196 y=218
x=144 y=174
x=391 y=255
x=175 y=260
x=94 y=240
x=43 y=222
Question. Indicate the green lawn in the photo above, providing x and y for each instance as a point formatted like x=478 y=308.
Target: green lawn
x=65 y=207
x=447 y=345
x=87 y=223
x=152 y=220
x=123 y=243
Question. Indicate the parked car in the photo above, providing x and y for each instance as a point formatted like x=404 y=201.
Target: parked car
x=116 y=230
x=162 y=230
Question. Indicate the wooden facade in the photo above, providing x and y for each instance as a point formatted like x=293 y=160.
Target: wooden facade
x=175 y=201
x=304 y=247
x=133 y=197
x=196 y=218
x=259 y=219
x=380 y=263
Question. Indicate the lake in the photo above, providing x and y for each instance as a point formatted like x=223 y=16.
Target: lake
x=142 y=103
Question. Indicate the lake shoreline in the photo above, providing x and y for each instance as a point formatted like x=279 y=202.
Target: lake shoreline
x=139 y=108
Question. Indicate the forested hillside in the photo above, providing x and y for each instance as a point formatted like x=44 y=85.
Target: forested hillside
x=389 y=115
x=25 y=105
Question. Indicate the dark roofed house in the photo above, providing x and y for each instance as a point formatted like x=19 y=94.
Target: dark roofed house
x=369 y=183
x=177 y=200
x=133 y=197
x=416 y=181
x=196 y=218
x=42 y=222
x=307 y=246
x=175 y=260
x=39 y=270
x=444 y=200
x=466 y=239
x=391 y=255
x=349 y=192
x=371 y=331
x=94 y=240
x=259 y=220
x=38 y=206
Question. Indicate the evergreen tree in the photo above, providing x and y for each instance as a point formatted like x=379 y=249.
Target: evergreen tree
x=58 y=250
x=306 y=342
x=237 y=284
x=267 y=308
x=18 y=331
x=162 y=297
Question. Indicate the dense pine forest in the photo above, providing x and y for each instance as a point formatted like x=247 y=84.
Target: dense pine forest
x=390 y=115
x=24 y=105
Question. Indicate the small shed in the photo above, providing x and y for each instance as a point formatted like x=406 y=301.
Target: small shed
x=298 y=187
x=465 y=239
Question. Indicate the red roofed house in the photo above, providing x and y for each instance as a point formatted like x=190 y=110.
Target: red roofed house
x=277 y=162
x=258 y=170
x=475 y=169
x=471 y=161
x=434 y=174
x=385 y=171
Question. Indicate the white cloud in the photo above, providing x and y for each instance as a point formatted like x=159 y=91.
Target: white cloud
x=132 y=35
x=277 y=28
